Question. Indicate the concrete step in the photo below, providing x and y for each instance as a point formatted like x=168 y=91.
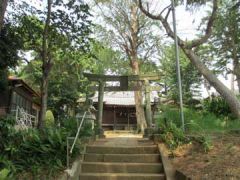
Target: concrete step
x=121 y=176
x=118 y=132
x=93 y=149
x=103 y=167
x=137 y=158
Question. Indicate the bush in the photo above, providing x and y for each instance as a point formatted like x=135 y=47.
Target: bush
x=35 y=151
x=49 y=119
x=216 y=105
x=173 y=136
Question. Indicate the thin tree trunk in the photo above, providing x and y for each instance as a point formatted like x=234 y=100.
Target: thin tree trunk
x=230 y=98
x=3 y=7
x=46 y=67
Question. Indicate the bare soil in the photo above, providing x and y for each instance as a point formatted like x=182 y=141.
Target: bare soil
x=222 y=162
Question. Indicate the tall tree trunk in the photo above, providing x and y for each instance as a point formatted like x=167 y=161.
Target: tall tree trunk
x=141 y=121
x=237 y=73
x=44 y=96
x=230 y=98
x=3 y=7
x=236 y=64
x=46 y=67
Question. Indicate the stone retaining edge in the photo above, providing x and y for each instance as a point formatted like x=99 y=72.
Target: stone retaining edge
x=74 y=172
x=170 y=172
x=168 y=168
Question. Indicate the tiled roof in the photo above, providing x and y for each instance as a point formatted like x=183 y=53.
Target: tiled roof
x=124 y=98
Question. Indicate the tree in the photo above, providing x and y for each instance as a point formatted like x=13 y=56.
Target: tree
x=3 y=7
x=64 y=27
x=225 y=42
x=106 y=60
x=190 y=77
x=10 y=44
x=126 y=30
x=46 y=64
x=188 y=49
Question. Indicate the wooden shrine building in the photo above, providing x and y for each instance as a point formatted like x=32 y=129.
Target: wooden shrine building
x=119 y=111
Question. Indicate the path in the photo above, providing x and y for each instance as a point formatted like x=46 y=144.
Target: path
x=122 y=157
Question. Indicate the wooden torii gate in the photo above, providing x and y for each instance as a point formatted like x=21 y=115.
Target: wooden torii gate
x=125 y=85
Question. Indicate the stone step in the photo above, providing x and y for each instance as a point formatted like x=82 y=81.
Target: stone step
x=137 y=158
x=93 y=149
x=103 y=167
x=121 y=176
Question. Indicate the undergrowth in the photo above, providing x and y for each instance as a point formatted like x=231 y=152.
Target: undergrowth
x=199 y=126
x=34 y=152
x=198 y=121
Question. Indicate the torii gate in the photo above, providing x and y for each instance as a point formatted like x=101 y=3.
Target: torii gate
x=124 y=86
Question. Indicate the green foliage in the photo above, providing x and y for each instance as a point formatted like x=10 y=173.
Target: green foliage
x=197 y=121
x=106 y=60
x=10 y=43
x=35 y=151
x=216 y=105
x=223 y=47
x=206 y=142
x=49 y=119
x=7 y=131
x=190 y=77
x=199 y=125
x=4 y=174
x=71 y=125
x=173 y=136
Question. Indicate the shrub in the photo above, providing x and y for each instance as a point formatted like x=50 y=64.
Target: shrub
x=49 y=118
x=35 y=151
x=217 y=105
x=173 y=136
x=4 y=174
x=44 y=149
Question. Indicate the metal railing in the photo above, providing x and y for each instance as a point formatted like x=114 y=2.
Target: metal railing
x=75 y=138
x=23 y=119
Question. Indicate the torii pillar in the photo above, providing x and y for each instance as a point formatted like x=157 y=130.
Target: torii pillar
x=148 y=104
x=100 y=107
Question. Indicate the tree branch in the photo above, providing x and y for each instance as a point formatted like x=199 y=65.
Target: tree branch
x=208 y=31
x=163 y=21
x=193 y=43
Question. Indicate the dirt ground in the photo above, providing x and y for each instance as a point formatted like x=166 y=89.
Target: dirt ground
x=222 y=162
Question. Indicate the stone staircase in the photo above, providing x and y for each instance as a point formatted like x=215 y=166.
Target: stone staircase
x=122 y=159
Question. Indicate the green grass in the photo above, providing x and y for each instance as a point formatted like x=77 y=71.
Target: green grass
x=197 y=121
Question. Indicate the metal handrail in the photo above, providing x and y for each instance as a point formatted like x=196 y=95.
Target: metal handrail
x=75 y=138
